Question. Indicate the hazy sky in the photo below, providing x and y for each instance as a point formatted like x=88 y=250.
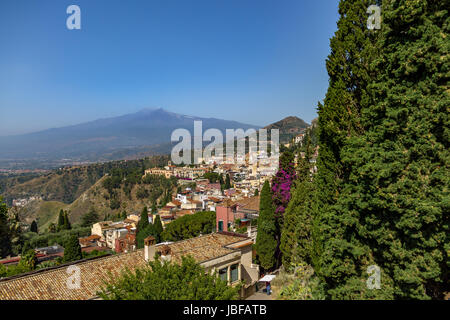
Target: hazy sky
x=254 y=61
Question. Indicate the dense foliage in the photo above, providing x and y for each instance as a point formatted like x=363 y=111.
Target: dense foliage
x=72 y=249
x=395 y=199
x=296 y=235
x=169 y=281
x=49 y=239
x=5 y=241
x=380 y=196
x=266 y=238
x=189 y=226
x=145 y=229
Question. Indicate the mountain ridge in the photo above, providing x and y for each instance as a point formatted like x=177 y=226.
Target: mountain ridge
x=92 y=140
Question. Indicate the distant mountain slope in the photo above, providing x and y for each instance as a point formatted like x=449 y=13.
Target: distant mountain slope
x=95 y=197
x=289 y=127
x=107 y=138
x=67 y=184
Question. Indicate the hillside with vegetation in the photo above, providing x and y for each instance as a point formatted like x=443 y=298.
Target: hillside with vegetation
x=67 y=184
x=108 y=188
x=288 y=128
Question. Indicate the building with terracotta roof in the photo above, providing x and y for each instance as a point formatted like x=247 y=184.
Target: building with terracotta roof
x=89 y=241
x=228 y=211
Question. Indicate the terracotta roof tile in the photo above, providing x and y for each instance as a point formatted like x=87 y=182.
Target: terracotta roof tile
x=52 y=284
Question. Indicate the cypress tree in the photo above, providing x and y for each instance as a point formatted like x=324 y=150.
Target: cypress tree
x=158 y=226
x=397 y=193
x=227 y=182
x=34 y=227
x=296 y=235
x=66 y=225
x=5 y=240
x=337 y=252
x=266 y=242
x=72 y=249
x=143 y=222
x=61 y=220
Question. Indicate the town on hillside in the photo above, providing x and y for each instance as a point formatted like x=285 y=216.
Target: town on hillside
x=229 y=189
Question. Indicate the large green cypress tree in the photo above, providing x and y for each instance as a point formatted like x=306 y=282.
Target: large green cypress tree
x=67 y=225
x=397 y=194
x=296 y=238
x=143 y=221
x=61 y=220
x=149 y=230
x=227 y=182
x=72 y=249
x=158 y=226
x=34 y=227
x=144 y=228
x=266 y=242
x=5 y=240
x=349 y=65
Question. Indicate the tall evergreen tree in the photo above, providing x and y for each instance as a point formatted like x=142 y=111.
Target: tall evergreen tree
x=337 y=254
x=61 y=220
x=227 y=182
x=296 y=236
x=5 y=240
x=67 y=225
x=143 y=222
x=34 y=227
x=266 y=241
x=396 y=197
x=72 y=249
x=158 y=226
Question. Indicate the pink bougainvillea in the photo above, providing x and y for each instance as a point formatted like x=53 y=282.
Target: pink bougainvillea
x=281 y=188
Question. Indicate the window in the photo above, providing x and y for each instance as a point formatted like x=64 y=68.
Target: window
x=223 y=274
x=234 y=272
x=220 y=225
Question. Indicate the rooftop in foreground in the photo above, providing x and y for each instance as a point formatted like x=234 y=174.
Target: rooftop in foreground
x=51 y=284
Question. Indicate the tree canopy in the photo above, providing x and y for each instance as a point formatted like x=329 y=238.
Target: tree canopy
x=190 y=226
x=169 y=281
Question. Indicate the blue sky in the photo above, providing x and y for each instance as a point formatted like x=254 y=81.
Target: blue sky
x=254 y=61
